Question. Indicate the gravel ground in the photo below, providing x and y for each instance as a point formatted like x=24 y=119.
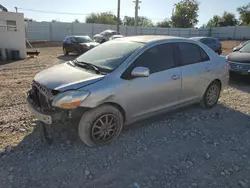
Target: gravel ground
x=191 y=147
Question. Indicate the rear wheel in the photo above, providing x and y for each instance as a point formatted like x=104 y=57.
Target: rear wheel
x=211 y=95
x=100 y=126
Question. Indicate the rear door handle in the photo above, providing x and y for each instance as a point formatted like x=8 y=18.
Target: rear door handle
x=208 y=70
x=175 y=77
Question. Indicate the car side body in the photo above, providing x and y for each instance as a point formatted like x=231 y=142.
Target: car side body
x=163 y=74
x=78 y=44
x=104 y=36
x=211 y=42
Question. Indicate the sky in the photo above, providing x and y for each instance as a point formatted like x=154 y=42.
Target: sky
x=156 y=10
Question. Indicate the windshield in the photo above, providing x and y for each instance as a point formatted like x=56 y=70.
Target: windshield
x=244 y=43
x=83 y=39
x=109 y=55
x=246 y=48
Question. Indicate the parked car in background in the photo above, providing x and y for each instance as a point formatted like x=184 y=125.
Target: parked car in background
x=237 y=48
x=116 y=37
x=239 y=61
x=126 y=80
x=78 y=44
x=104 y=36
x=211 y=42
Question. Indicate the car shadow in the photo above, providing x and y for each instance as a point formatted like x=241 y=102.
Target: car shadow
x=240 y=82
x=67 y=57
x=68 y=155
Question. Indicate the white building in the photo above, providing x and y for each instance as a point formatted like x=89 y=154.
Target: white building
x=12 y=32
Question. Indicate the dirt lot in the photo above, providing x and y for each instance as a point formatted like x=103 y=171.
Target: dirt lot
x=188 y=148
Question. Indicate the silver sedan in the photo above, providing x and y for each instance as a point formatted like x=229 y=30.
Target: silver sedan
x=126 y=80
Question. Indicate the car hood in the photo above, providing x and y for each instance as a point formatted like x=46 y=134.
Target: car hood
x=90 y=43
x=239 y=57
x=64 y=77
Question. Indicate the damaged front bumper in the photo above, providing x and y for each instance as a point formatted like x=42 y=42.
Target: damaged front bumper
x=41 y=116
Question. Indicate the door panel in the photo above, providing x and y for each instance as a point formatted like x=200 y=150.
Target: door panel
x=196 y=71
x=195 y=79
x=156 y=92
x=161 y=89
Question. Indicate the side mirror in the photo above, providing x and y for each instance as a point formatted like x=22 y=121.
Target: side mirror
x=235 y=49
x=140 y=72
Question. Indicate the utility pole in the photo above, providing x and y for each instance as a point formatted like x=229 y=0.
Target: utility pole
x=16 y=9
x=173 y=10
x=136 y=11
x=118 y=15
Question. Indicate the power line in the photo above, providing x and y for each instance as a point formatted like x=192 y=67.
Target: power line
x=54 y=12
x=71 y=13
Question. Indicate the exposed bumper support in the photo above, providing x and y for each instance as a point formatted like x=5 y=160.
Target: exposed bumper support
x=45 y=118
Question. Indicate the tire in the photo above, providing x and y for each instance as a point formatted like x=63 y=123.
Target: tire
x=90 y=124
x=65 y=51
x=205 y=102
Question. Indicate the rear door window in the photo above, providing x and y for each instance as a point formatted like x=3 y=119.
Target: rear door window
x=192 y=53
x=67 y=40
x=208 y=41
x=205 y=41
x=73 y=40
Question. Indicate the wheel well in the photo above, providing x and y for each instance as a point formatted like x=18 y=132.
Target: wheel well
x=218 y=81
x=119 y=108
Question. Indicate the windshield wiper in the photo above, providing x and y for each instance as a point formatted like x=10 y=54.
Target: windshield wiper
x=89 y=66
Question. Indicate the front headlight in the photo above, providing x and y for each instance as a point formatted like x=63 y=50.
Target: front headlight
x=70 y=99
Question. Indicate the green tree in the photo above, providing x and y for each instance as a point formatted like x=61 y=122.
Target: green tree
x=164 y=23
x=203 y=26
x=29 y=20
x=54 y=21
x=102 y=18
x=244 y=12
x=76 y=21
x=227 y=19
x=186 y=14
x=214 y=22
x=142 y=21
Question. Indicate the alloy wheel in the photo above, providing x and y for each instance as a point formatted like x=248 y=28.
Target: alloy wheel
x=104 y=128
x=213 y=94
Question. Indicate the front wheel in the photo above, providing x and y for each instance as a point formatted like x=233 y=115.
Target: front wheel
x=100 y=126
x=211 y=95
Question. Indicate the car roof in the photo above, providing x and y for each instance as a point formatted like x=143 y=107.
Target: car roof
x=108 y=31
x=148 y=38
x=199 y=38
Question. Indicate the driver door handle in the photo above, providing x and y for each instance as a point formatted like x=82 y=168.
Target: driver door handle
x=175 y=77
x=208 y=69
